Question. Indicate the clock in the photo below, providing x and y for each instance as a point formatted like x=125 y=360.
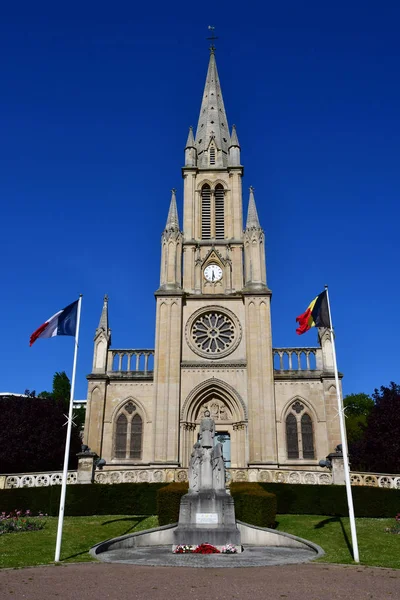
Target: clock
x=213 y=272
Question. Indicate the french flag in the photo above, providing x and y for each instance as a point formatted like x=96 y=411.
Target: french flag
x=62 y=323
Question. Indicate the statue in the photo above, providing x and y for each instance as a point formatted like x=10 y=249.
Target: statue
x=207 y=431
x=218 y=468
x=194 y=468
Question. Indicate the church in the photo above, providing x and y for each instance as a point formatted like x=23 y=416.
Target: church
x=274 y=408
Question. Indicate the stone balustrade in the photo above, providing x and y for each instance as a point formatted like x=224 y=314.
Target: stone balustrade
x=375 y=480
x=134 y=362
x=297 y=359
x=167 y=475
x=20 y=480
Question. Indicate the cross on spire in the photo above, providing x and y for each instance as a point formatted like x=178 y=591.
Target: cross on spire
x=212 y=38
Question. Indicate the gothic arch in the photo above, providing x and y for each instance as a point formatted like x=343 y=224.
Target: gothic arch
x=141 y=409
x=307 y=407
x=205 y=182
x=222 y=391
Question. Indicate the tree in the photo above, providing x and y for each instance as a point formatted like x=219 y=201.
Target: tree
x=379 y=449
x=61 y=388
x=33 y=435
x=357 y=409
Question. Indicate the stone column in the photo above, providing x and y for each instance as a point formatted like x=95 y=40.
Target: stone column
x=86 y=467
x=336 y=459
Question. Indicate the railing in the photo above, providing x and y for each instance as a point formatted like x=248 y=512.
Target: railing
x=131 y=361
x=157 y=475
x=21 y=480
x=297 y=359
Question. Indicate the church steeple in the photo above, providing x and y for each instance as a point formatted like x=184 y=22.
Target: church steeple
x=252 y=215
x=212 y=128
x=172 y=219
x=254 y=249
x=102 y=340
x=171 y=250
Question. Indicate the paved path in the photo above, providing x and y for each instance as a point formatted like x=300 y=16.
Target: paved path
x=100 y=581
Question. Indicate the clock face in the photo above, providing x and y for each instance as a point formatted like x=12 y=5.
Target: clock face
x=213 y=272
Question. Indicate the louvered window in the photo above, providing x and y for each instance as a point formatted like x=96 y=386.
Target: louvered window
x=292 y=440
x=307 y=436
x=212 y=155
x=120 y=436
x=219 y=213
x=206 y=212
x=136 y=437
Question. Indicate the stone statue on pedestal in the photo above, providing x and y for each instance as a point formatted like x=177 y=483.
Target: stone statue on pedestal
x=207 y=512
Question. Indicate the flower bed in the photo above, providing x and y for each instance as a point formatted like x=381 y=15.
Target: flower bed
x=17 y=520
x=396 y=527
x=205 y=549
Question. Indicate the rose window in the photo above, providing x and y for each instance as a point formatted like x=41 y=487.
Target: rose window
x=213 y=332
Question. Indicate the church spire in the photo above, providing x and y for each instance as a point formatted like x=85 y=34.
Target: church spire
x=172 y=220
x=252 y=215
x=213 y=124
x=103 y=323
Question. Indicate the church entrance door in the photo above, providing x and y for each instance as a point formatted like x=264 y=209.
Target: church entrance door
x=224 y=438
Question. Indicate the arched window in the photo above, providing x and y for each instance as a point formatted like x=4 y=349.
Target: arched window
x=205 y=212
x=136 y=437
x=299 y=433
x=128 y=433
x=307 y=436
x=292 y=438
x=219 y=213
x=121 y=432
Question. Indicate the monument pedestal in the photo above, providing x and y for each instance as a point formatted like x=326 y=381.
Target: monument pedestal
x=207 y=516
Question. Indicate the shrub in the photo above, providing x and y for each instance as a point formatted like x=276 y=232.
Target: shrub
x=169 y=501
x=83 y=500
x=253 y=504
x=370 y=502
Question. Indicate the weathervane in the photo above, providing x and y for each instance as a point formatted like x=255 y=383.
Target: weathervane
x=212 y=38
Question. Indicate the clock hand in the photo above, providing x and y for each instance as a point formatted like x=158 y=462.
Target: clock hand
x=213 y=275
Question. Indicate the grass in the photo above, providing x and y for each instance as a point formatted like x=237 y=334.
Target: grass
x=79 y=534
x=29 y=548
x=376 y=548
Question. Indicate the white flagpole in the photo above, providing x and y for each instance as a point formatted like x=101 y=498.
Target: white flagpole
x=68 y=440
x=344 y=443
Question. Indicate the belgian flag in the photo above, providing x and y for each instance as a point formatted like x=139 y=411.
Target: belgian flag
x=316 y=315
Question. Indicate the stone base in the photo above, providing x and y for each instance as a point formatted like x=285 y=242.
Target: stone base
x=207 y=517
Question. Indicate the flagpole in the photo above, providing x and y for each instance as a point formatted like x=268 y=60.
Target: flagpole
x=344 y=443
x=68 y=440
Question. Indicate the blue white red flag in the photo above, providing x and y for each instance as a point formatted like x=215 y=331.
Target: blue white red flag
x=62 y=323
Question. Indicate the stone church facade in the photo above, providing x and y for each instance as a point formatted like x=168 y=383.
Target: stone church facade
x=275 y=408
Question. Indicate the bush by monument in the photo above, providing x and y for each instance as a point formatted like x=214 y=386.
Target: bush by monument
x=168 y=502
x=253 y=504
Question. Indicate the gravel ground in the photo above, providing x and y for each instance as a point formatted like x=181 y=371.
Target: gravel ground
x=98 y=581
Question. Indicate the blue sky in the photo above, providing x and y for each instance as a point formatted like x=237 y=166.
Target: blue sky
x=96 y=97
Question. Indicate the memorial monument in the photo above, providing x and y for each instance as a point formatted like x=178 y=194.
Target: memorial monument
x=207 y=511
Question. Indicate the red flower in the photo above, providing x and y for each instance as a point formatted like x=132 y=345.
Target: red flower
x=206 y=549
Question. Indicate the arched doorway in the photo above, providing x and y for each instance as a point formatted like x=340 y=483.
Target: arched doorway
x=230 y=416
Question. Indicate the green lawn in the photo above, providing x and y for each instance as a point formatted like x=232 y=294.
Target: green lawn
x=376 y=547
x=79 y=534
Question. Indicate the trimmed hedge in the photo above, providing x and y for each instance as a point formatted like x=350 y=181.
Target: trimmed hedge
x=85 y=500
x=370 y=502
x=253 y=504
x=168 y=502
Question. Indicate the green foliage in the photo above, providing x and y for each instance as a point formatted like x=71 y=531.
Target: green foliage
x=358 y=408
x=253 y=504
x=32 y=435
x=90 y=499
x=378 y=450
x=61 y=388
x=332 y=500
x=168 y=502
